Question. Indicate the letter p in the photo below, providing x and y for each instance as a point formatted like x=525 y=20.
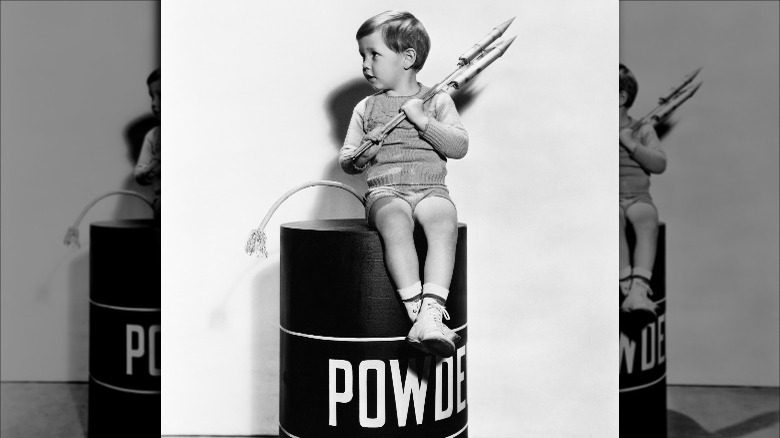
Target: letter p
x=134 y=351
x=333 y=395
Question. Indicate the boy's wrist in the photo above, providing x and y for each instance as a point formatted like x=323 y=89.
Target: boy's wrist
x=360 y=163
x=629 y=143
x=421 y=124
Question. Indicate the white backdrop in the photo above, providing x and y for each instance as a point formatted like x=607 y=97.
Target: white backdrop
x=257 y=98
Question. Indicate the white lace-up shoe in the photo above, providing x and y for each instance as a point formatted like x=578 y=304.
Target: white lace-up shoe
x=638 y=298
x=429 y=333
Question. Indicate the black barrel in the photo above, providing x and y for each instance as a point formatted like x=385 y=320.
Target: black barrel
x=643 y=358
x=346 y=369
x=124 y=329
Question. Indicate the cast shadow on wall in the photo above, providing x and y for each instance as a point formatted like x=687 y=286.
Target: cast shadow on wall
x=664 y=128
x=335 y=204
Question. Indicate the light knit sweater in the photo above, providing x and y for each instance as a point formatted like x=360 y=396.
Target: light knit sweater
x=636 y=167
x=147 y=170
x=407 y=157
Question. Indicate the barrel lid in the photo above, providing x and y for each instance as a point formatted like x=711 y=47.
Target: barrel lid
x=335 y=225
x=126 y=223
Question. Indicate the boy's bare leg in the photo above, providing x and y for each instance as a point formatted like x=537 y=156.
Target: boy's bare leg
x=439 y=221
x=644 y=219
x=625 y=260
x=392 y=217
x=438 y=218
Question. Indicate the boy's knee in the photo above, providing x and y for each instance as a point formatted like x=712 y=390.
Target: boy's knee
x=396 y=219
x=443 y=228
x=393 y=219
x=646 y=224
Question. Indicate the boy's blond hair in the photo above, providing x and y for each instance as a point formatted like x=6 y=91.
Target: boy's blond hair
x=400 y=31
x=628 y=84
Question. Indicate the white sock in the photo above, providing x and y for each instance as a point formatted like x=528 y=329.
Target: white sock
x=642 y=272
x=625 y=280
x=434 y=293
x=412 y=299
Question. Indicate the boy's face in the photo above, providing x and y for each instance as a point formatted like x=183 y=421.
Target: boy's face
x=154 y=93
x=382 y=67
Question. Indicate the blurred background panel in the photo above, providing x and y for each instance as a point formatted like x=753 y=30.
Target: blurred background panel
x=74 y=108
x=719 y=195
x=73 y=112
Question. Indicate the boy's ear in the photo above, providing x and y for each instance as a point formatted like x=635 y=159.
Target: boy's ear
x=623 y=97
x=410 y=56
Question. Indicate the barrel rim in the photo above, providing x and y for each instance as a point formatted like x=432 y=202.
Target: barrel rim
x=121 y=389
x=354 y=338
x=454 y=435
x=644 y=385
x=125 y=308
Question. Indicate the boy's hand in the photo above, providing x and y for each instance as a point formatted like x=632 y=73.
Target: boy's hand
x=150 y=171
x=154 y=167
x=413 y=108
x=375 y=137
x=627 y=139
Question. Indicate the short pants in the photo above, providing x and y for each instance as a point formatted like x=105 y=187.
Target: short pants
x=411 y=194
x=627 y=200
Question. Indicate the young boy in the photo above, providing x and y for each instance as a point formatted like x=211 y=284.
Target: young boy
x=147 y=170
x=405 y=171
x=640 y=155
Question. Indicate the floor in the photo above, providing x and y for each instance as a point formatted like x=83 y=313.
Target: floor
x=59 y=410
x=722 y=412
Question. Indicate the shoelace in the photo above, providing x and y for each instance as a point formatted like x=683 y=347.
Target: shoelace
x=646 y=291
x=441 y=312
x=625 y=286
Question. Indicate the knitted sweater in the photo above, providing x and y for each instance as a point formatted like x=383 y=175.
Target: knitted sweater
x=147 y=170
x=406 y=156
x=636 y=167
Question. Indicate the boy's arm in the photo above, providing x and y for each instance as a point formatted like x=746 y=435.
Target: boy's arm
x=353 y=140
x=444 y=131
x=646 y=150
x=145 y=168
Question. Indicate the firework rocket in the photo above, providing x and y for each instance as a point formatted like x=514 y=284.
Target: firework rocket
x=672 y=100
x=478 y=48
x=470 y=64
x=676 y=91
x=485 y=59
